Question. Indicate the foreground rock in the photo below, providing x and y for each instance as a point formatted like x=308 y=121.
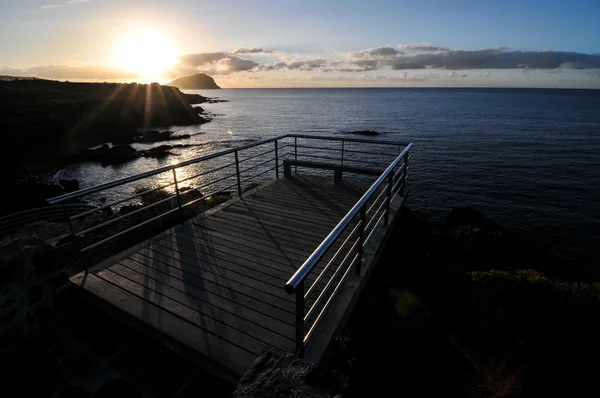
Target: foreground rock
x=277 y=374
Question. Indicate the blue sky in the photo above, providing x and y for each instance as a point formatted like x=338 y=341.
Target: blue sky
x=307 y=43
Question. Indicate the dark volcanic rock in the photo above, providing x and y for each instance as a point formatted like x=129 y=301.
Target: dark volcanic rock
x=277 y=374
x=460 y=216
x=69 y=185
x=364 y=132
x=108 y=155
x=158 y=152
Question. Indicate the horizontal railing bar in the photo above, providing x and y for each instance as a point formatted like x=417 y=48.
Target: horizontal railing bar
x=313 y=307
x=398 y=173
x=375 y=227
x=44 y=210
x=394 y=195
x=255 y=156
x=370 y=153
x=154 y=172
x=205 y=172
x=257 y=165
x=129 y=230
x=215 y=181
x=256 y=175
x=383 y=192
x=33 y=216
x=374 y=214
x=361 y=140
x=328 y=303
x=76 y=216
x=113 y=220
x=331 y=262
x=316 y=256
x=396 y=186
x=345 y=160
x=318 y=148
x=319 y=157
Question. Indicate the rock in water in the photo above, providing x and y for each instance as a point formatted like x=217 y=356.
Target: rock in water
x=364 y=132
x=277 y=374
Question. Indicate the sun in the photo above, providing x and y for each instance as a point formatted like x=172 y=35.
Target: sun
x=148 y=52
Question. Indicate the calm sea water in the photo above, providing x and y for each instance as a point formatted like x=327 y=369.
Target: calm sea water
x=528 y=158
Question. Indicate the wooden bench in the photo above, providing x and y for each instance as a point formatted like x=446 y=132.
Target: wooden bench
x=338 y=169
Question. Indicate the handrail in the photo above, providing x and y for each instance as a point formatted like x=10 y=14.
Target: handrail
x=302 y=272
x=81 y=233
x=126 y=180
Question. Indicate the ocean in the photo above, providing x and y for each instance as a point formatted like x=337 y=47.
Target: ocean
x=528 y=158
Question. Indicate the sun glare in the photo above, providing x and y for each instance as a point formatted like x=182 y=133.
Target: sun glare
x=145 y=51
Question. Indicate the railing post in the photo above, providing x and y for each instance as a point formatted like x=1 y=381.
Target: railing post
x=276 y=161
x=296 y=154
x=300 y=320
x=361 y=238
x=388 y=197
x=237 y=173
x=177 y=193
x=343 y=153
x=64 y=208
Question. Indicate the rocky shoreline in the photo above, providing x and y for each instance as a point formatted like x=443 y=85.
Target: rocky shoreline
x=74 y=122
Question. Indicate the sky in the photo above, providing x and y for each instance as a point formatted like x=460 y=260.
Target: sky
x=260 y=43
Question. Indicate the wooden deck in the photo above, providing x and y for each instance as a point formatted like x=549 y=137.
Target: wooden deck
x=215 y=283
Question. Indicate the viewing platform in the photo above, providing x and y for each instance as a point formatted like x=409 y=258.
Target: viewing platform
x=280 y=262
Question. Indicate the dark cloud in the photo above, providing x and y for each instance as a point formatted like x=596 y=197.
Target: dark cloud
x=321 y=64
x=496 y=58
x=235 y=64
x=252 y=50
x=422 y=47
x=78 y=72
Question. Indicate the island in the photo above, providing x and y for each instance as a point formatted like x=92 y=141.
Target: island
x=199 y=81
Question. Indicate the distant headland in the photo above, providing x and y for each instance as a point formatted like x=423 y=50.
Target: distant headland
x=199 y=81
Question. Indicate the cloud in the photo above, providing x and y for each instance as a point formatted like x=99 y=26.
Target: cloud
x=252 y=50
x=64 y=4
x=422 y=47
x=496 y=58
x=456 y=75
x=216 y=63
x=10 y=71
x=78 y=72
x=311 y=64
x=375 y=53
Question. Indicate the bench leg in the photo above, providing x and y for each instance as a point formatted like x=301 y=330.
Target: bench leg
x=287 y=170
x=337 y=176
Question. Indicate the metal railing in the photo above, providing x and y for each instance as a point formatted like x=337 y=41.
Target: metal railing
x=362 y=221
x=183 y=186
x=15 y=221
